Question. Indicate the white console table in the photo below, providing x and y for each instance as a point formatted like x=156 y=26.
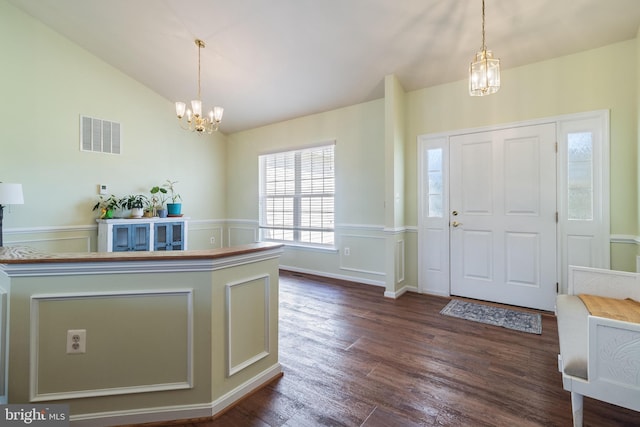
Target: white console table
x=142 y=234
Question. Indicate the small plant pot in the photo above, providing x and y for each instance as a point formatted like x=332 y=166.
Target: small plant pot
x=174 y=209
x=137 y=212
x=108 y=214
x=162 y=213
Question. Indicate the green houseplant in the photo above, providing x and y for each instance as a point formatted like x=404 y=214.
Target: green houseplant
x=158 y=199
x=107 y=206
x=134 y=202
x=175 y=207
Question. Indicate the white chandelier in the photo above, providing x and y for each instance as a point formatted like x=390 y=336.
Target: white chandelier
x=484 y=71
x=195 y=121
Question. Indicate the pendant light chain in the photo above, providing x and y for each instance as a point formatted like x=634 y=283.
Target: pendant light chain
x=200 y=46
x=484 y=45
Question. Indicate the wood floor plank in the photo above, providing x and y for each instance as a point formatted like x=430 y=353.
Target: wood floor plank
x=354 y=358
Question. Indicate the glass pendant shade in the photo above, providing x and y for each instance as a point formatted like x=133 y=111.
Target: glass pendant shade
x=196 y=104
x=484 y=74
x=217 y=113
x=180 y=109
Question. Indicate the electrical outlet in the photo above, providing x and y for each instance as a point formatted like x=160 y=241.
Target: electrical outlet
x=212 y=240
x=347 y=251
x=76 y=341
x=103 y=189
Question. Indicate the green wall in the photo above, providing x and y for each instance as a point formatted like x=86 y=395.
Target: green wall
x=51 y=81
x=47 y=83
x=604 y=78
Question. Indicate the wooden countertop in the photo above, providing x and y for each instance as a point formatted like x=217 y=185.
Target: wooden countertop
x=26 y=255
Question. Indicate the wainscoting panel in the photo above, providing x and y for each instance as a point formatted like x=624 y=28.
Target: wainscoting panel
x=400 y=261
x=247 y=322
x=206 y=234
x=242 y=235
x=55 y=244
x=365 y=254
x=121 y=356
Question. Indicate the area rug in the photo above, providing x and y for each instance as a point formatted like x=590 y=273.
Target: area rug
x=497 y=316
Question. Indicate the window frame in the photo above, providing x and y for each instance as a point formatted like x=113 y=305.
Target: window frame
x=294 y=226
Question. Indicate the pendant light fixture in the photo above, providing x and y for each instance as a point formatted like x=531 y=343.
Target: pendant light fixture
x=484 y=71
x=195 y=121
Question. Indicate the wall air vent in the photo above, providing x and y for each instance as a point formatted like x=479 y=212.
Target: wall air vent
x=100 y=136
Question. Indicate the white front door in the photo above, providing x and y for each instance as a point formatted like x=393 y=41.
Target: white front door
x=502 y=215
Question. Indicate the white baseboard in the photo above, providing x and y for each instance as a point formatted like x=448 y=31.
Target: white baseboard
x=333 y=276
x=400 y=292
x=178 y=412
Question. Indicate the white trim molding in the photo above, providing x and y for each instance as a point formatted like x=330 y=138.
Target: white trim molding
x=178 y=412
x=264 y=281
x=35 y=356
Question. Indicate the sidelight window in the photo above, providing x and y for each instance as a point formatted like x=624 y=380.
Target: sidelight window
x=580 y=176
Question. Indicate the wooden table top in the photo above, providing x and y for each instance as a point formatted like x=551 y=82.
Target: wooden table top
x=27 y=255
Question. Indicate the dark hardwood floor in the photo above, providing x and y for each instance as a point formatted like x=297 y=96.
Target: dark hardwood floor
x=354 y=358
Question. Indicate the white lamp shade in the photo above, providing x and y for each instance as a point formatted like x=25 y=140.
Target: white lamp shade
x=11 y=194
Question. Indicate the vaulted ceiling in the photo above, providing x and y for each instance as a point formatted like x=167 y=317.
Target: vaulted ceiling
x=272 y=60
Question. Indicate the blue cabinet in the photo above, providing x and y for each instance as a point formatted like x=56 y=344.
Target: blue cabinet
x=131 y=237
x=144 y=234
x=168 y=236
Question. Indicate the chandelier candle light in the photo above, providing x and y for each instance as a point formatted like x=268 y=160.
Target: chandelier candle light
x=195 y=120
x=484 y=71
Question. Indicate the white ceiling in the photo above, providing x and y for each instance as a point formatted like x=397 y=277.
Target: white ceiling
x=272 y=60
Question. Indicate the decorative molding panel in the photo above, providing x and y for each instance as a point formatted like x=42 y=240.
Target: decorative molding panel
x=138 y=362
x=242 y=235
x=62 y=243
x=248 y=314
x=366 y=254
x=400 y=262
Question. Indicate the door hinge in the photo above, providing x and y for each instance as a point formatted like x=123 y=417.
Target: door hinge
x=556 y=146
x=556 y=217
x=557 y=288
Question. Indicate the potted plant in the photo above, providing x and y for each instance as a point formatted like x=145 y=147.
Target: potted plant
x=135 y=203
x=149 y=208
x=107 y=206
x=175 y=207
x=159 y=198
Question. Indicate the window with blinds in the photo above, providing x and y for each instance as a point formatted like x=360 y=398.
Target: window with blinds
x=297 y=196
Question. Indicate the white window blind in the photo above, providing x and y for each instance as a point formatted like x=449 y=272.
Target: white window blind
x=297 y=194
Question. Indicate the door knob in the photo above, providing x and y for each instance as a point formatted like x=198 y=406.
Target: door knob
x=456 y=223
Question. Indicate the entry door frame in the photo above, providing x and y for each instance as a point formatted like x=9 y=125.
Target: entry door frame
x=579 y=242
